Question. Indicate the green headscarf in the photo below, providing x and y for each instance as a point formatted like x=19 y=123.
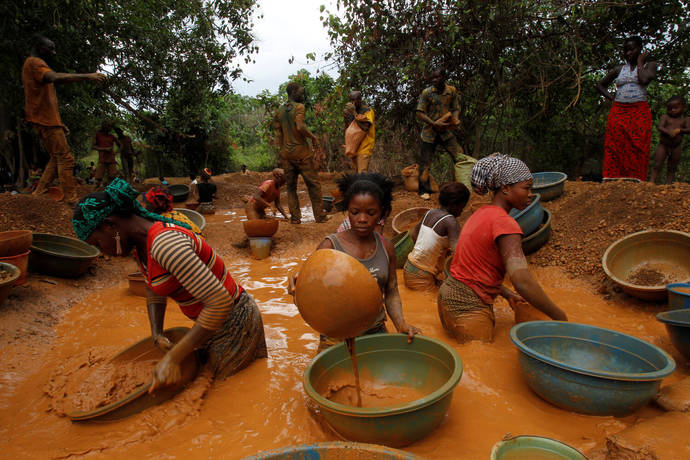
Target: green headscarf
x=118 y=197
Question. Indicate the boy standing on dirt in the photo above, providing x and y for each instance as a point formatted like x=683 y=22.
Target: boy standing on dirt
x=297 y=158
x=671 y=128
x=127 y=153
x=41 y=110
x=438 y=108
x=104 y=142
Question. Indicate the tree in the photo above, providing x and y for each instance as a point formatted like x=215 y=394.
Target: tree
x=162 y=55
x=524 y=69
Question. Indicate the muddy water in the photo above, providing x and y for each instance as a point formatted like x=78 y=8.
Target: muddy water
x=350 y=343
x=265 y=407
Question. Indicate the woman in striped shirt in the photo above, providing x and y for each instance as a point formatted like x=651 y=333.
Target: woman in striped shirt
x=178 y=264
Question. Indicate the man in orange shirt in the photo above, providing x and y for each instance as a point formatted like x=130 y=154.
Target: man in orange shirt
x=42 y=112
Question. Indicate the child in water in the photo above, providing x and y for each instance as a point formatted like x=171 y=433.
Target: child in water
x=435 y=236
x=671 y=128
x=367 y=197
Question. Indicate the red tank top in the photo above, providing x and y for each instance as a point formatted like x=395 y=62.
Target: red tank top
x=163 y=283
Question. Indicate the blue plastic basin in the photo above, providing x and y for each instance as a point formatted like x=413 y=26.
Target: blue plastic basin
x=588 y=369
x=336 y=450
x=677 y=324
x=549 y=184
x=677 y=298
x=529 y=218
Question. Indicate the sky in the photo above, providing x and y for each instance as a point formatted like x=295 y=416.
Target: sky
x=288 y=28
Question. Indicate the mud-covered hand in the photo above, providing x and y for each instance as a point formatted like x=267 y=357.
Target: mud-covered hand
x=410 y=330
x=163 y=343
x=166 y=373
x=292 y=280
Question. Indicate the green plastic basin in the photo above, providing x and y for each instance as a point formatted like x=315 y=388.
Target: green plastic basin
x=60 y=256
x=403 y=246
x=426 y=364
x=534 y=446
x=336 y=450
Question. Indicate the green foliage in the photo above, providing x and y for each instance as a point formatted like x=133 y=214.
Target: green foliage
x=525 y=70
x=164 y=56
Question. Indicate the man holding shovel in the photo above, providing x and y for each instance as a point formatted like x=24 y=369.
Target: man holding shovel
x=438 y=108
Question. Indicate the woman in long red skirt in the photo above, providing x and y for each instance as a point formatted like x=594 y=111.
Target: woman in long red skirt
x=629 y=125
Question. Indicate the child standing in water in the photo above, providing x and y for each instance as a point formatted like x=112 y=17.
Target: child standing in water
x=671 y=128
x=366 y=197
x=434 y=236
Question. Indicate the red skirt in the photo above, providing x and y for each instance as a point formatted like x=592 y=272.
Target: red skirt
x=627 y=140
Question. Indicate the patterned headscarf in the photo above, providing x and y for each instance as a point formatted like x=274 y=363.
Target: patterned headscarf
x=494 y=171
x=118 y=197
x=160 y=198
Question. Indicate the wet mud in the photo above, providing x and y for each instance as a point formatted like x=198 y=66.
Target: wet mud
x=655 y=274
x=264 y=406
x=372 y=394
x=90 y=380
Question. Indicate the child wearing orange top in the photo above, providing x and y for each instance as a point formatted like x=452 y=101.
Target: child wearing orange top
x=268 y=192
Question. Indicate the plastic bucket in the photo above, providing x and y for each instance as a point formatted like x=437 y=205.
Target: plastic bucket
x=534 y=446
x=260 y=247
x=21 y=261
x=678 y=295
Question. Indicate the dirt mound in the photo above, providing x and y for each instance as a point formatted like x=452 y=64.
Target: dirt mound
x=589 y=217
x=40 y=214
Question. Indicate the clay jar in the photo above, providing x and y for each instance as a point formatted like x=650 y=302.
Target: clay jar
x=260 y=227
x=336 y=294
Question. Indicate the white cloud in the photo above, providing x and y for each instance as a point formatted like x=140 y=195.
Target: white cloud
x=287 y=29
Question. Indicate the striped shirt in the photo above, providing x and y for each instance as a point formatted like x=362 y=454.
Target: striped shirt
x=181 y=265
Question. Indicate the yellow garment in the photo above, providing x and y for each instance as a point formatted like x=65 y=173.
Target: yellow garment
x=366 y=147
x=178 y=216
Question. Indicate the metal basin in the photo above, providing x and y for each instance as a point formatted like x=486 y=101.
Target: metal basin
x=667 y=251
x=403 y=246
x=260 y=227
x=426 y=364
x=198 y=219
x=529 y=218
x=532 y=446
x=179 y=192
x=7 y=284
x=140 y=398
x=336 y=450
x=15 y=242
x=588 y=369
x=539 y=238
x=60 y=256
x=678 y=295
x=407 y=219
x=677 y=324
x=549 y=184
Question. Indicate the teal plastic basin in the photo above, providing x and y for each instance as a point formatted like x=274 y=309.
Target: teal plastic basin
x=678 y=295
x=426 y=364
x=403 y=246
x=528 y=446
x=549 y=185
x=336 y=450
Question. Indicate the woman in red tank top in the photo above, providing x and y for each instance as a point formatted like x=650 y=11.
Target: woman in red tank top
x=179 y=264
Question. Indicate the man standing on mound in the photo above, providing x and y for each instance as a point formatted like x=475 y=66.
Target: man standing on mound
x=296 y=156
x=41 y=110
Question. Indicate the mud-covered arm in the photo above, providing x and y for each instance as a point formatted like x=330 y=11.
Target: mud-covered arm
x=392 y=298
x=174 y=251
x=58 y=77
x=155 y=307
x=516 y=265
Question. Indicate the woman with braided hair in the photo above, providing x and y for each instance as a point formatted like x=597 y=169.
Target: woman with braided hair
x=489 y=246
x=179 y=264
x=367 y=197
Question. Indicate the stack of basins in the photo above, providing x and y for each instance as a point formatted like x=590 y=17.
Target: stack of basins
x=535 y=222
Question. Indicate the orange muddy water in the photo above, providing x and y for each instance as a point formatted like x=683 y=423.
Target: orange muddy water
x=264 y=406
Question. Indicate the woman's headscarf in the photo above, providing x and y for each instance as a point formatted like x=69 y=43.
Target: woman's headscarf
x=160 y=198
x=494 y=171
x=118 y=198
x=206 y=174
